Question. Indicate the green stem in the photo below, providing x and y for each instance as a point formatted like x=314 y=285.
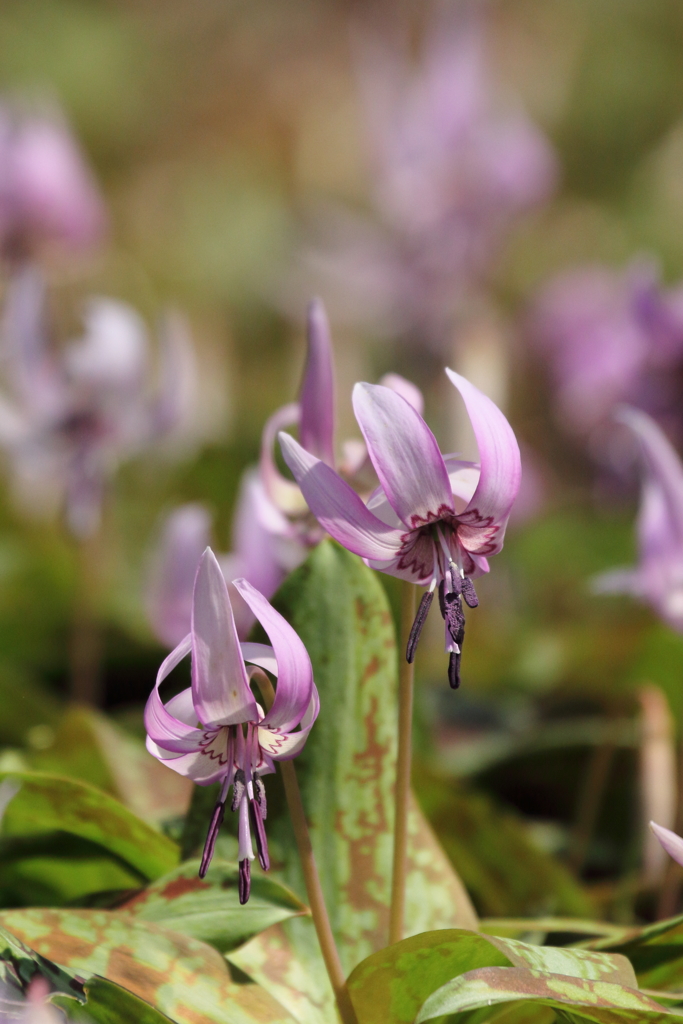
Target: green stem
x=314 y=890
x=403 y=764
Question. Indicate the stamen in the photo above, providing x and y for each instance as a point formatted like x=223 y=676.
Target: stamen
x=444 y=546
x=418 y=624
x=260 y=795
x=454 y=670
x=245 y=880
x=469 y=593
x=211 y=836
x=238 y=787
x=260 y=832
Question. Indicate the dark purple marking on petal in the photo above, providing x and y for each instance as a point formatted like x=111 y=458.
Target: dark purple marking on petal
x=260 y=834
x=418 y=624
x=239 y=784
x=469 y=593
x=454 y=670
x=245 y=880
x=211 y=836
x=260 y=795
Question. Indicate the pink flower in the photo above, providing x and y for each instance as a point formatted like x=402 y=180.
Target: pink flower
x=433 y=519
x=215 y=731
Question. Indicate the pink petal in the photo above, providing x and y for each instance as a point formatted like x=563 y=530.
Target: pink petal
x=316 y=427
x=282 y=492
x=261 y=655
x=672 y=843
x=185 y=535
x=404 y=453
x=284 y=746
x=220 y=686
x=337 y=507
x=294 y=671
x=664 y=467
x=483 y=522
x=194 y=765
x=162 y=727
x=406 y=389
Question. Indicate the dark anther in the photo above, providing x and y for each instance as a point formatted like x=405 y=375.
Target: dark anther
x=420 y=619
x=455 y=620
x=245 y=880
x=456 y=579
x=211 y=836
x=260 y=796
x=454 y=670
x=239 y=784
x=260 y=832
x=469 y=593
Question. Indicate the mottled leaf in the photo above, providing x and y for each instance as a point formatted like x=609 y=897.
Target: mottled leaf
x=178 y=975
x=581 y=1000
x=655 y=951
x=107 y=1003
x=209 y=909
x=19 y=963
x=391 y=985
x=48 y=803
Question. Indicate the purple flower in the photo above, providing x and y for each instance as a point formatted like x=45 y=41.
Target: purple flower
x=610 y=336
x=215 y=731
x=289 y=518
x=451 y=170
x=47 y=192
x=73 y=415
x=658 y=577
x=434 y=519
x=672 y=843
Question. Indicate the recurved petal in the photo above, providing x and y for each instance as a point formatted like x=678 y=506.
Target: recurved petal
x=406 y=389
x=337 y=507
x=672 y=843
x=317 y=398
x=162 y=727
x=483 y=522
x=184 y=537
x=282 y=492
x=220 y=687
x=195 y=765
x=405 y=455
x=294 y=671
x=283 y=746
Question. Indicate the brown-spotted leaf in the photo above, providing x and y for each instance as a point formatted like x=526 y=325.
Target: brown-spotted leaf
x=655 y=951
x=582 y=1000
x=209 y=909
x=186 y=979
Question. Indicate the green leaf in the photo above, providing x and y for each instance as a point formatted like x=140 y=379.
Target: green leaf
x=19 y=963
x=391 y=985
x=107 y=1003
x=578 y=999
x=185 y=979
x=48 y=803
x=655 y=951
x=339 y=608
x=209 y=908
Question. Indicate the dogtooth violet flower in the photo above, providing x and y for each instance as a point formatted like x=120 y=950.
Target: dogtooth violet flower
x=69 y=416
x=451 y=170
x=434 y=519
x=289 y=517
x=658 y=577
x=47 y=192
x=259 y=554
x=215 y=731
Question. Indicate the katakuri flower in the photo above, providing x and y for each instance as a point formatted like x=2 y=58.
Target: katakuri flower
x=658 y=577
x=215 y=731
x=434 y=519
x=47 y=192
x=314 y=413
x=73 y=414
x=609 y=336
x=672 y=843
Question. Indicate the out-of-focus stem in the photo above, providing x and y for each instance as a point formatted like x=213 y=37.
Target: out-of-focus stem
x=590 y=800
x=402 y=793
x=86 y=639
x=316 y=899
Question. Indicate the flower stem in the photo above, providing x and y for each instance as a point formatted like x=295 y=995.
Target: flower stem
x=402 y=794
x=314 y=890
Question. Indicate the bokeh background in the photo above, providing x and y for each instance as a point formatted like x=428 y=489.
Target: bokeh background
x=221 y=132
